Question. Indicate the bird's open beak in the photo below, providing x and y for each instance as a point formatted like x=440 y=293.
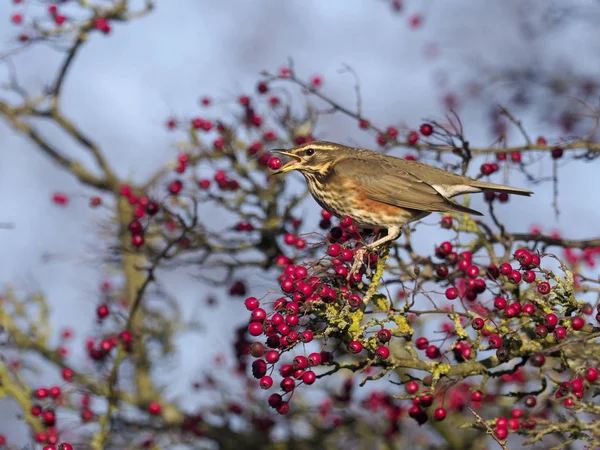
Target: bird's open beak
x=291 y=165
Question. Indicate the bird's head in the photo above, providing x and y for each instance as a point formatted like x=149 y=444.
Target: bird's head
x=313 y=157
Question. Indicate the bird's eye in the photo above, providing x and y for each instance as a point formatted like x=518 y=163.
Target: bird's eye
x=310 y=152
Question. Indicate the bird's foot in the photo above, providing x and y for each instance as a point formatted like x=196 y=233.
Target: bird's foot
x=359 y=255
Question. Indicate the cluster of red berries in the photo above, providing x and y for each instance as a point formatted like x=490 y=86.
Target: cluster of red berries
x=391 y=133
x=474 y=284
x=47 y=399
x=144 y=207
x=99 y=350
x=201 y=124
x=290 y=320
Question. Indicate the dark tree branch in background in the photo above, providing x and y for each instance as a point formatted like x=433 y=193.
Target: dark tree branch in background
x=550 y=241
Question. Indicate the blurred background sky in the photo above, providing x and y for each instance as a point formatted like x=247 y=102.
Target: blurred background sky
x=124 y=86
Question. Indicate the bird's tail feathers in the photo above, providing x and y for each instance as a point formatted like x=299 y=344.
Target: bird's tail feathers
x=485 y=186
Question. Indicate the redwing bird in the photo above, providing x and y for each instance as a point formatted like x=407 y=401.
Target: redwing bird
x=378 y=190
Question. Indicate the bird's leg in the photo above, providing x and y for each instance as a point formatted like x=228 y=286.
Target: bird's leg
x=392 y=234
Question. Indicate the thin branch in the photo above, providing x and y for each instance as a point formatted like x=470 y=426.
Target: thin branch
x=554 y=241
x=75 y=167
x=489 y=429
x=65 y=68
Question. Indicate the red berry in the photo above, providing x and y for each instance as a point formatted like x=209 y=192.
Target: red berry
x=515 y=277
x=505 y=269
x=421 y=343
x=266 y=382
x=102 y=311
x=445 y=248
x=258 y=315
x=272 y=356
x=501 y=432
x=251 y=303
x=314 y=359
x=316 y=81
x=442 y=271
x=262 y=87
x=275 y=400
x=544 y=288
x=309 y=377
x=283 y=408
x=334 y=250
x=472 y=271
x=577 y=384
x=486 y=169
x=439 y=414
x=55 y=392
x=426 y=129
x=476 y=396
x=287 y=384
x=415 y=21
x=529 y=276
x=355 y=347
x=41 y=393
x=67 y=374
x=541 y=331
x=101 y=24
x=528 y=308
x=500 y=303
x=591 y=374
x=538 y=359
x=175 y=187
x=154 y=408
x=384 y=335
x=477 y=323
x=451 y=293
x=413 y=138
x=550 y=320
x=382 y=352
x=560 y=333
x=49 y=417
x=412 y=387
x=364 y=124
x=274 y=163
x=432 y=352
x=255 y=329
x=577 y=322
x=300 y=362
x=60 y=198
x=446 y=222
x=495 y=341
x=557 y=153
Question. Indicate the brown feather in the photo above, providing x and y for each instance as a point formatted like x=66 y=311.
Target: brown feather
x=388 y=183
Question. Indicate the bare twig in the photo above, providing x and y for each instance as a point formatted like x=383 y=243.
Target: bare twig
x=488 y=428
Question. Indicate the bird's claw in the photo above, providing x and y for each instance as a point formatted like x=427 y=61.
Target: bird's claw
x=359 y=255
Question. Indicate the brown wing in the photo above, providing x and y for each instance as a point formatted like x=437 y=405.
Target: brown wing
x=383 y=182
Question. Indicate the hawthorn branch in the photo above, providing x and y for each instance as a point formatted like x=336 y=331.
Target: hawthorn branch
x=489 y=430
x=65 y=68
x=550 y=241
x=585 y=143
x=75 y=167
